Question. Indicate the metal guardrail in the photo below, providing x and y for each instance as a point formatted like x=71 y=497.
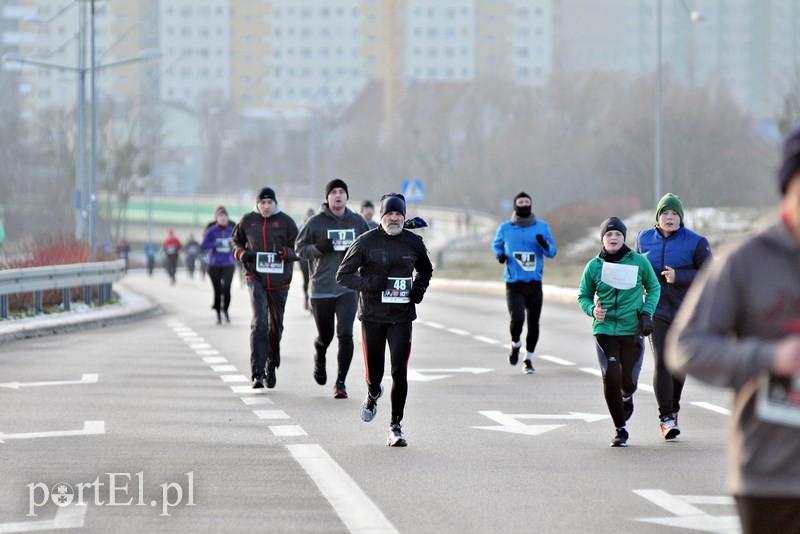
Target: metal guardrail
x=65 y=277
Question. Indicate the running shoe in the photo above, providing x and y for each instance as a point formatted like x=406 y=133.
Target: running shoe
x=621 y=439
x=527 y=367
x=669 y=428
x=396 y=437
x=339 y=391
x=258 y=382
x=271 y=379
x=227 y=317
x=627 y=406
x=513 y=357
x=320 y=373
x=370 y=406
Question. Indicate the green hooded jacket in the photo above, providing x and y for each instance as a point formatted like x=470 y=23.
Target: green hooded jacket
x=623 y=305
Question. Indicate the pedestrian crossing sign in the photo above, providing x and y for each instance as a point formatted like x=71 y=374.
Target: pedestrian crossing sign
x=413 y=190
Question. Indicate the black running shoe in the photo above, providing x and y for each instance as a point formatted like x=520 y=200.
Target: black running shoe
x=258 y=383
x=513 y=357
x=320 y=373
x=621 y=439
x=271 y=378
x=339 y=391
x=527 y=367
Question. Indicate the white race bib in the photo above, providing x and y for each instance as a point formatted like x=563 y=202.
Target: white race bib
x=342 y=238
x=526 y=260
x=619 y=276
x=397 y=292
x=778 y=400
x=268 y=262
x=223 y=245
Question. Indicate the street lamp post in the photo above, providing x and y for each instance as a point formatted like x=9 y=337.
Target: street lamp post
x=81 y=71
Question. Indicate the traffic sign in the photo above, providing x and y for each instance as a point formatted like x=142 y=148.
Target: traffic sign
x=413 y=190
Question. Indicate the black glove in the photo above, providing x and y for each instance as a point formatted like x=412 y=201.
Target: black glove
x=502 y=257
x=416 y=295
x=247 y=257
x=377 y=282
x=326 y=247
x=542 y=241
x=645 y=324
x=279 y=250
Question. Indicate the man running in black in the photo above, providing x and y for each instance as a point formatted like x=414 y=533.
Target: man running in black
x=390 y=268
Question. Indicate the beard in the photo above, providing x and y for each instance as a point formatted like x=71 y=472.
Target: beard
x=392 y=229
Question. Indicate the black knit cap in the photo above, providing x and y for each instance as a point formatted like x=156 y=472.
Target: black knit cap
x=393 y=202
x=367 y=204
x=791 y=160
x=336 y=182
x=521 y=194
x=266 y=192
x=613 y=223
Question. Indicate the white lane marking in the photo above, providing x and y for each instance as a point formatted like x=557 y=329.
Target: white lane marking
x=247 y=389
x=458 y=331
x=90 y=378
x=66 y=517
x=89 y=428
x=669 y=502
x=713 y=407
x=434 y=325
x=215 y=359
x=174 y=324
x=206 y=352
x=351 y=504
x=271 y=414
x=553 y=359
x=287 y=430
x=186 y=332
x=197 y=346
x=224 y=368
x=485 y=339
x=234 y=378
x=194 y=340
x=250 y=401
x=686 y=516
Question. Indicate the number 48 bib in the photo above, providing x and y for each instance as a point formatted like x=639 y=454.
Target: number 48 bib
x=397 y=292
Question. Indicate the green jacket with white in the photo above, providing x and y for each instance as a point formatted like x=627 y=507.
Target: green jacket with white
x=623 y=305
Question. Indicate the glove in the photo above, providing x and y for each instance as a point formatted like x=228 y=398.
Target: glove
x=645 y=324
x=542 y=241
x=416 y=295
x=502 y=257
x=326 y=247
x=247 y=257
x=279 y=250
x=378 y=282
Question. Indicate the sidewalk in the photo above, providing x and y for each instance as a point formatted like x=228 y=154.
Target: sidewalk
x=132 y=306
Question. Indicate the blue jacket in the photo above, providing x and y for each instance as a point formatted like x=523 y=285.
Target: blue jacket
x=684 y=251
x=524 y=255
x=217 y=240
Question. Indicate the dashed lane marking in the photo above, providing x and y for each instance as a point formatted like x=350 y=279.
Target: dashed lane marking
x=458 y=331
x=712 y=407
x=250 y=401
x=351 y=504
x=207 y=352
x=484 y=339
x=553 y=359
x=287 y=430
x=224 y=368
x=215 y=359
x=271 y=414
x=234 y=378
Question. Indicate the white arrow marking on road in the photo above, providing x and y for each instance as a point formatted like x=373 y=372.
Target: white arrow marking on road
x=85 y=379
x=511 y=422
x=66 y=517
x=417 y=375
x=688 y=516
x=89 y=428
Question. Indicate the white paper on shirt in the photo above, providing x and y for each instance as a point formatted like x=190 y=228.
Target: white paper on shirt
x=778 y=400
x=619 y=276
x=341 y=238
x=398 y=291
x=268 y=262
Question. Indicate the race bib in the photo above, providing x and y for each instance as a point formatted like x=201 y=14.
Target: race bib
x=172 y=250
x=619 y=276
x=268 y=262
x=223 y=245
x=778 y=400
x=342 y=238
x=526 y=260
x=397 y=292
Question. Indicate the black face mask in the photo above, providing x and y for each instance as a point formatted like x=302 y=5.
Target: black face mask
x=522 y=211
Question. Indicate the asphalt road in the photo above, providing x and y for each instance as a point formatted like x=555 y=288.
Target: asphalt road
x=155 y=423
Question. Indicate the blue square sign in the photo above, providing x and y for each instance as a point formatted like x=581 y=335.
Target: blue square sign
x=413 y=190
